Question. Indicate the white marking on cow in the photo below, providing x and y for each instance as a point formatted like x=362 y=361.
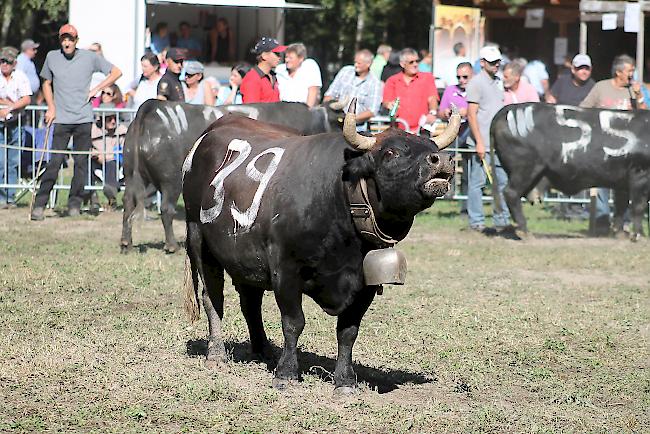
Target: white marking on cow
x=630 y=138
x=163 y=117
x=528 y=117
x=245 y=219
x=244 y=150
x=512 y=123
x=187 y=163
x=209 y=111
x=172 y=116
x=250 y=112
x=520 y=121
x=569 y=148
x=180 y=112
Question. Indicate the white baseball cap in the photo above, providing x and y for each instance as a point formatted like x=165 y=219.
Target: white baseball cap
x=490 y=53
x=581 y=60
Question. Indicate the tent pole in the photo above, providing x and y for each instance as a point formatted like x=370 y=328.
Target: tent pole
x=640 y=38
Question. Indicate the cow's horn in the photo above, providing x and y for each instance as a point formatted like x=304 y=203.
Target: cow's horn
x=445 y=138
x=340 y=104
x=350 y=134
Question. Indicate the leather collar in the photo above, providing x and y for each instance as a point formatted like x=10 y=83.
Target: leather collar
x=363 y=215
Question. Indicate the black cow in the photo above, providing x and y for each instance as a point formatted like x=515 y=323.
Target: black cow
x=163 y=133
x=270 y=208
x=575 y=148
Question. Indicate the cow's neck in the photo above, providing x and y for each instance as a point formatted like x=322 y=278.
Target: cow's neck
x=397 y=226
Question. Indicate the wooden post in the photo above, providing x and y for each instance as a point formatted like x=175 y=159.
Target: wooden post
x=593 y=193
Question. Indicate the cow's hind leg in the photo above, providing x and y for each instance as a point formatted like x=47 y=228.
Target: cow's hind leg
x=133 y=196
x=347 y=329
x=213 y=277
x=520 y=183
x=289 y=300
x=250 y=300
x=169 y=199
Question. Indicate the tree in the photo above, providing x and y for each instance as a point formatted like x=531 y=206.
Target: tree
x=30 y=19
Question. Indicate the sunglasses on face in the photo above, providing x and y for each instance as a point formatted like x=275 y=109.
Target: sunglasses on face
x=462 y=76
x=107 y=93
x=412 y=62
x=6 y=61
x=190 y=75
x=586 y=68
x=494 y=62
x=179 y=61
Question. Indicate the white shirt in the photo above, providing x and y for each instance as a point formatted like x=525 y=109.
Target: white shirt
x=296 y=88
x=146 y=89
x=16 y=87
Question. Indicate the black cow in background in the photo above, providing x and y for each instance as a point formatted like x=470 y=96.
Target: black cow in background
x=575 y=148
x=272 y=209
x=162 y=134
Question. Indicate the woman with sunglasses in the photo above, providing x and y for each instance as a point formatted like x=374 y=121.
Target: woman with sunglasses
x=197 y=90
x=110 y=95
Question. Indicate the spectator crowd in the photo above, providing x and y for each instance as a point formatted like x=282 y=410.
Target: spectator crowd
x=399 y=83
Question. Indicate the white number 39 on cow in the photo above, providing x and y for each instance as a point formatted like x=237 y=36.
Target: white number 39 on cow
x=243 y=219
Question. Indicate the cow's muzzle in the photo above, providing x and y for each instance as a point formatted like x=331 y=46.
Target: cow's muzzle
x=441 y=169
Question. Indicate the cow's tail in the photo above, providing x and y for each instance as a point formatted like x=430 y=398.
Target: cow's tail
x=191 y=292
x=191 y=282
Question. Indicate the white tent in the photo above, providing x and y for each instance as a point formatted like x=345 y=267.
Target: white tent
x=120 y=25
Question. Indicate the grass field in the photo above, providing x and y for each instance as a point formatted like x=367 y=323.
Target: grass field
x=550 y=334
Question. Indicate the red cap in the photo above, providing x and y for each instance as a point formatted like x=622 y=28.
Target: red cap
x=68 y=29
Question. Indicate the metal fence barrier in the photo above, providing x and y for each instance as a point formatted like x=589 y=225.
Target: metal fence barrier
x=25 y=151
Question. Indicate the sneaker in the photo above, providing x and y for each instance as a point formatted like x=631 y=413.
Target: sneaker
x=478 y=228
x=74 y=212
x=38 y=214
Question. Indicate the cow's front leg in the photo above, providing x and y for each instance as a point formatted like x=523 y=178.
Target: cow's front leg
x=347 y=329
x=169 y=197
x=289 y=299
x=639 y=194
x=621 y=202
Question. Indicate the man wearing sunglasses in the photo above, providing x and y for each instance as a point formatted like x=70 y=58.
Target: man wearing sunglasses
x=416 y=90
x=67 y=75
x=15 y=94
x=572 y=89
x=485 y=98
x=169 y=86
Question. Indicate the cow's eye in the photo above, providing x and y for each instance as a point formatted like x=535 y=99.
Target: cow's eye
x=390 y=154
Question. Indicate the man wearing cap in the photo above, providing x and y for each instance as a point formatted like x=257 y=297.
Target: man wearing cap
x=169 y=86
x=485 y=98
x=67 y=73
x=261 y=84
x=572 y=89
x=15 y=94
x=25 y=63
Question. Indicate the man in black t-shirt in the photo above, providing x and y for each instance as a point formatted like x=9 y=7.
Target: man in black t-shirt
x=169 y=86
x=572 y=89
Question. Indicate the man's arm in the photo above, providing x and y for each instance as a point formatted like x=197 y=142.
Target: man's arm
x=108 y=81
x=312 y=95
x=472 y=119
x=50 y=114
x=17 y=105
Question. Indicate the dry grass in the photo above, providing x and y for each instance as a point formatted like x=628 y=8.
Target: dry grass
x=489 y=334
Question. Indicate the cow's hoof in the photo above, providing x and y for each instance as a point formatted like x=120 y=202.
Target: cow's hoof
x=283 y=383
x=342 y=391
x=125 y=248
x=635 y=237
x=170 y=249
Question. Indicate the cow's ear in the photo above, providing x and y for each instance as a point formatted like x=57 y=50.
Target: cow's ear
x=357 y=165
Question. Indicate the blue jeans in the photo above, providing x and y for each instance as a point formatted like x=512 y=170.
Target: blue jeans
x=602 y=203
x=476 y=183
x=9 y=160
